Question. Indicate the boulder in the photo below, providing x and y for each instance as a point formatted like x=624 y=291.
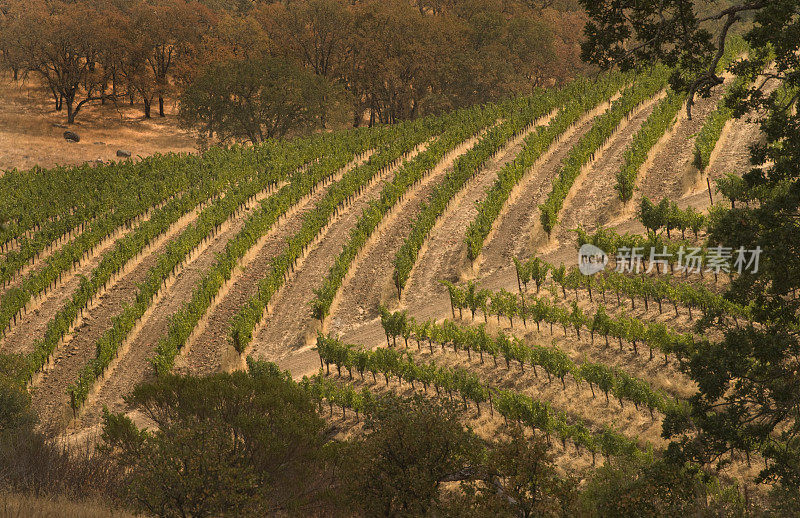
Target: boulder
x=123 y=153
x=71 y=136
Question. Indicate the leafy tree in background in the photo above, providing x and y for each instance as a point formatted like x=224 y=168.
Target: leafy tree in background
x=52 y=41
x=233 y=37
x=316 y=32
x=629 y=487
x=254 y=100
x=749 y=386
x=236 y=444
x=171 y=30
x=10 y=48
x=316 y=35
x=525 y=481
x=393 y=50
x=80 y=48
x=130 y=63
x=397 y=59
x=153 y=40
x=410 y=449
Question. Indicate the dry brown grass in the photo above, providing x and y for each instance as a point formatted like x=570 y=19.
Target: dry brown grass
x=31 y=131
x=487 y=425
x=28 y=506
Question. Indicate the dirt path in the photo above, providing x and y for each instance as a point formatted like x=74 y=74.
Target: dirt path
x=133 y=366
x=521 y=214
x=444 y=254
x=448 y=233
x=208 y=349
x=369 y=282
x=732 y=152
x=284 y=336
x=49 y=392
x=672 y=172
x=21 y=338
x=40 y=309
x=593 y=201
x=496 y=273
x=575 y=400
x=289 y=324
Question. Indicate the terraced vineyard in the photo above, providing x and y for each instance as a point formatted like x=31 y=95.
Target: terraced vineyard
x=419 y=257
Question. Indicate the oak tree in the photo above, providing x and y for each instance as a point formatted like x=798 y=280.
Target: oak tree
x=748 y=384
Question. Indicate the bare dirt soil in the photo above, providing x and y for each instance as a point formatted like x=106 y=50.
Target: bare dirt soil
x=593 y=200
x=369 y=282
x=289 y=324
x=133 y=364
x=444 y=255
x=49 y=393
x=210 y=350
x=21 y=337
x=497 y=271
x=287 y=335
x=513 y=230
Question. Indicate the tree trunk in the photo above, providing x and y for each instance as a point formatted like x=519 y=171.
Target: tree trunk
x=58 y=100
x=160 y=106
x=70 y=110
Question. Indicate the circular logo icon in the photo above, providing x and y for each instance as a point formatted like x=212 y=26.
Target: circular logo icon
x=591 y=259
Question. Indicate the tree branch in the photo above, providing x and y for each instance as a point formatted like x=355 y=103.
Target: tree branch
x=710 y=78
x=90 y=99
x=752 y=6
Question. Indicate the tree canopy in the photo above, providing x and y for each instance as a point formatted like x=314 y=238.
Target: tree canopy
x=395 y=59
x=236 y=444
x=748 y=384
x=254 y=99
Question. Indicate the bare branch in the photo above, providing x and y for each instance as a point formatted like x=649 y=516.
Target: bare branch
x=752 y=6
x=710 y=78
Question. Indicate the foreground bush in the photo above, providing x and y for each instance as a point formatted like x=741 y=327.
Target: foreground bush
x=32 y=464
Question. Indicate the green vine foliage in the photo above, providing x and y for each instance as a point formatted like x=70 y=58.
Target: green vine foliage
x=468 y=123
x=575 y=100
x=400 y=140
x=555 y=363
x=391 y=363
x=518 y=117
x=208 y=222
x=644 y=87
